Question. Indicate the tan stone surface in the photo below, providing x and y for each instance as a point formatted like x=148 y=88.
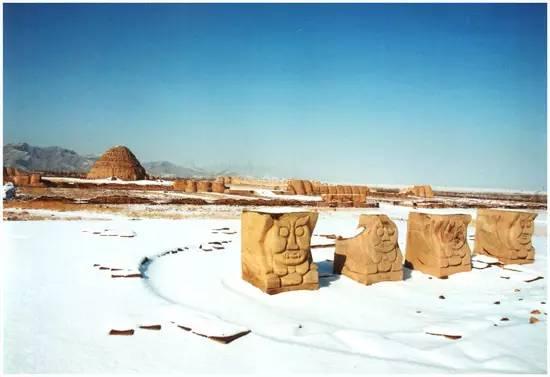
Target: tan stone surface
x=117 y=162
x=424 y=191
x=373 y=255
x=204 y=186
x=275 y=251
x=35 y=179
x=191 y=186
x=22 y=180
x=180 y=184
x=218 y=187
x=297 y=186
x=436 y=244
x=308 y=187
x=505 y=235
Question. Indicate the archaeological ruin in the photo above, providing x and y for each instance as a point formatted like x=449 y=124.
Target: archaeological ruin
x=118 y=162
x=436 y=244
x=373 y=255
x=423 y=191
x=275 y=251
x=505 y=235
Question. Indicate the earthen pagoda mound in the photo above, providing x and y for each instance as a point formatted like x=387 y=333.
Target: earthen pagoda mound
x=118 y=162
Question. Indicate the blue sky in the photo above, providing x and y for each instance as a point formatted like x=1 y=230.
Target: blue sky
x=445 y=94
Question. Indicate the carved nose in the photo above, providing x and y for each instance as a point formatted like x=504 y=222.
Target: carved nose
x=292 y=245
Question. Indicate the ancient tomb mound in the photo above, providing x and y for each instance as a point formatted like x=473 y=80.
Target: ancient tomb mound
x=424 y=191
x=505 y=235
x=436 y=244
x=118 y=162
x=275 y=251
x=373 y=255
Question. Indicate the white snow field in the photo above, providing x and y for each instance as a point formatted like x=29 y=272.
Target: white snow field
x=58 y=308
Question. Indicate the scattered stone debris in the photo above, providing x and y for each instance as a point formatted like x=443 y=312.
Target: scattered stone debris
x=505 y=277
x=496 y=302
x=220 y=229
x=228 y=339
x=520 y=299
x=121 y=332
x=96 y=265
x=536 y=311
x=517 y=290
x=543 y=302
x=150 y=327
x=418 y=312
x=322 y=246
x=453 y=337
x=533 y=320
x=221 y=339
x=127 y=276
x=505 y=319
x=441 y=297
x=535 y=279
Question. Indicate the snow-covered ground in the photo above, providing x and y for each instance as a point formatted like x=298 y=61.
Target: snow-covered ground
x=58 y=308
x=109 y=181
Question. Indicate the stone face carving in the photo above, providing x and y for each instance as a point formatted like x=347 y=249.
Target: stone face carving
x=436 y=244
x=505 y=235
x=373 y=255
x=275 y=251
x=118 y=162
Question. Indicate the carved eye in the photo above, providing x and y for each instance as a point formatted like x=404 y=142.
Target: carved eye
x=391 y=231
x=283 y=232
x=380 y=232
x=299 y=231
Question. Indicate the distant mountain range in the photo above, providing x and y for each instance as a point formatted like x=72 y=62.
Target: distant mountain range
x=30 y=158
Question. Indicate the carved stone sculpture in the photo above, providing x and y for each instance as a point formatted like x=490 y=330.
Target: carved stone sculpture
x=275 y=251
x=436 y=244
x=373 y=255
x=505 y=235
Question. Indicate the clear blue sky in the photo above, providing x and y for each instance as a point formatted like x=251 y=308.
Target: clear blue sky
x=445 y=94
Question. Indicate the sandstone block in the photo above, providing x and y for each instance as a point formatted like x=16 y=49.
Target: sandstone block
x=275 y=251
x=506 y=235
x=436 y=244
x=373 y=255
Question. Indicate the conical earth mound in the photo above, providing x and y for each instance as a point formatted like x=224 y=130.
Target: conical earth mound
x=118 y=162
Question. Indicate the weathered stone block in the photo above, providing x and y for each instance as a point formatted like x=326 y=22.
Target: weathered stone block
x=436 y=244
x=373 y=255
x=275 y=251
x=506 y=235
